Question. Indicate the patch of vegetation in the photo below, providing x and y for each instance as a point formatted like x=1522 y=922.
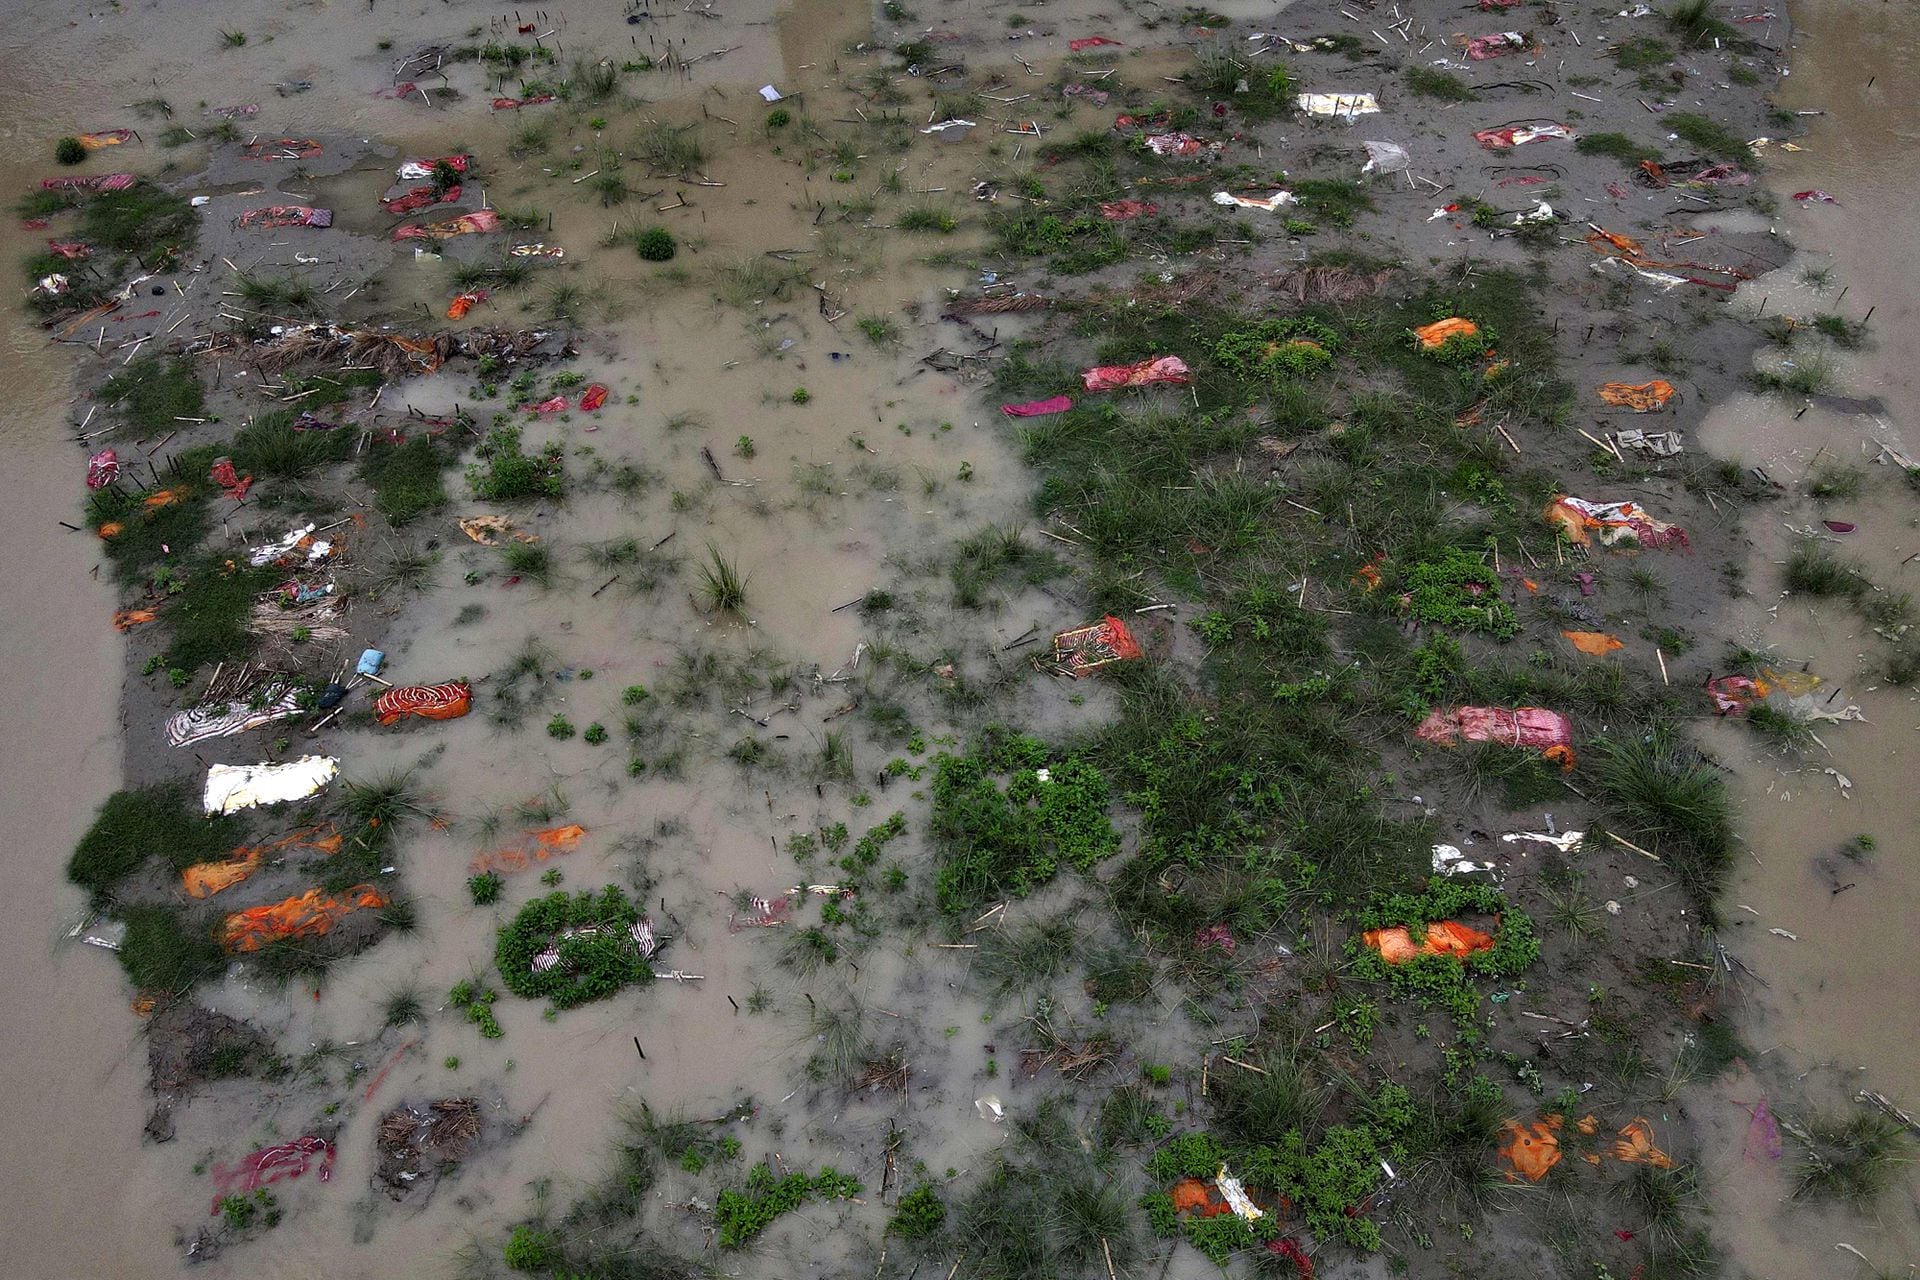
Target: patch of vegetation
x=742 y=1214
x=69 y=151
x=1673 y=803
x=506 y=473
x=142 y=223
x=656 y=244
x=154 y=392
x=160 y=953
x=1290 y=347
x=1430 y=82
x=132 y=826
x=409 y=479
x=1617 y=145
x=1851 y=1159
x=919 y=1214
x=999 y=840
x=1458 y=590
x=1333 y=200
x=926 y=218
x=722 y=585
x=269 y=447
x=591 y=936
x=1641 y=52
x=207 y=619
x=1708 y=135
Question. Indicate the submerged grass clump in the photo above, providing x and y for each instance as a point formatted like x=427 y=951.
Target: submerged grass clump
x=1674 y=803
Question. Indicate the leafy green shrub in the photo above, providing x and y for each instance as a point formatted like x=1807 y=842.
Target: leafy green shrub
x=742 y=1215
x=69 y=151
x=919 y=1214
x=998 y=842
x=1428 y=82
x=1291 y=347
x=592 y=937
x=531 y=1249
x=1708 y=135
x=485 y=888
x=1459 y=591
x=505 y=473
x=160 y=954
x=1617 y=145
x=406 y=478
x=476 y=1001
x=656 y=244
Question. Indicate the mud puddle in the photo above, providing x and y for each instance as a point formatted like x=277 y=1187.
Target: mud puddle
x=1819 y=922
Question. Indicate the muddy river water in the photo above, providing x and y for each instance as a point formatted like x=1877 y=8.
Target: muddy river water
x=882 y=461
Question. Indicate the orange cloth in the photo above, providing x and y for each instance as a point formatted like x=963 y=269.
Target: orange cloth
x=306 y=915
x=540 y=845
x=429 y=702
x=1644 y=397
x=128 y=619
x=1198 y=1198
x=1596 y=644
x=1636 y=1145
x=1434 y=336
x=204 y=879
x=1531 y=1149
x=458 y=308
x=1444 y=938
x=162 y=498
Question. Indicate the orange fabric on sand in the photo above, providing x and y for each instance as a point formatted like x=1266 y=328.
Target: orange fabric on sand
x=1643 y=397
x=306 y=915
x=539 y=846
x=1531 y=1149
x=465 y=302
x=128 y=619
x=1198 y=1198
x=1597 y=644
x=1443 y=938
x=1434 y=336
x=1636 y=1145
x=162 y=498
x=204 y=879
x=428 y=702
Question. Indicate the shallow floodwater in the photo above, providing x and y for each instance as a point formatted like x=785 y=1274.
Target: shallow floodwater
x=1836 y=1013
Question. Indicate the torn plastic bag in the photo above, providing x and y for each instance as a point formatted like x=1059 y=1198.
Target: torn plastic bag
x=1385 y=157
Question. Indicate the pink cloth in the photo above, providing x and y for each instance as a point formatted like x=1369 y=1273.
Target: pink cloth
x=103 y=468
x=1115 y=376
x=1091 y=42
x=1035 y=408
x=1512 y=727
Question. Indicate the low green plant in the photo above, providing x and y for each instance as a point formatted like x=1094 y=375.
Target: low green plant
x=485 y=888
x=506 y=473
x=1428 y=82
x=531 y=1249
x=592 y=938
x=742 y=1214
x=1458 y=590
x=132 y=826
x=919 y=1214
x=656 y=244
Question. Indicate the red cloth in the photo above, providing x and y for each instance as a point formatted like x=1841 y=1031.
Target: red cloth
x=419 y=198
x=595 y=397
x=222 y=474
x=272 y=1164
x=558 y=404
x=1091 y=42
x=1513 y=727
x=1038 y=408
x=103 y=468
x=1121 y=210
x=514 y=104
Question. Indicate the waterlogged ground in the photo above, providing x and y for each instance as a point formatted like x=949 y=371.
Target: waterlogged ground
x=754 y=620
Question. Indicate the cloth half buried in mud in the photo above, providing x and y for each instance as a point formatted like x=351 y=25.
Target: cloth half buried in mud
x=640 y=933
x=535 y=846
x=285 y=215
x=514 y=104
x=1643 y=397
x=294 y=546
x=1595 y=644
x=489 y=530
x=103 y=468
x=768 y=913
x=1613 y=523
x=1093 y=42
x=272 y=1164
x=1112 y=377
x=1439 y=938
x=420 y=198
x=282 y=149
x=233 y=787
x=427 y=701
x=1084 y=650
x=1795 y=693
x=1266 y=204
x=233 y=485
x=305 y=915
x=89 y=182
x=1432 y=337
x=224 y=719
x=204 y=879
x=465 y=302
x=1498 y=45
x=128 y=619
x=1032 y=408
x=1122 y=210
x=1180 y=144
x=106 y=138
x=1337 y=104
x=478 y=222
x=1548 y=732
x=418 y=170
x=1518 y=135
